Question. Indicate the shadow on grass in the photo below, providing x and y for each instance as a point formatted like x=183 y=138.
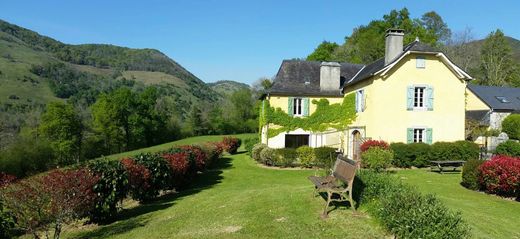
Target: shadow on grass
x=129 y=219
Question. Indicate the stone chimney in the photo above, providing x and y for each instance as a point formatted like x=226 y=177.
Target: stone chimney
x=393 y=44
x=330 y=76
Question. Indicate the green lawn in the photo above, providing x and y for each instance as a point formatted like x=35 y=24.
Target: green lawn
x=489 y=216
x=239 y=199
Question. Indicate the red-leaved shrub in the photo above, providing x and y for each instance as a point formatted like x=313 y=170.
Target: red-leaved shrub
x=374 y=143
x=138 y=178
x=196 y=154
x=231 y=144
x=178 y=163
x=501 y=176
x=6 y=179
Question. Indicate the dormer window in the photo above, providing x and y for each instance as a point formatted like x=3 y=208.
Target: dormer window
x=502 y=99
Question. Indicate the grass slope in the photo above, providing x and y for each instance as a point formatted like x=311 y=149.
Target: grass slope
x=489 y=216
x=238 y=199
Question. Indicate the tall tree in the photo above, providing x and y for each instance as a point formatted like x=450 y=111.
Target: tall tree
x=62 y=126
x=436 y=26
x=323 y=52
x=496 y=61
x=459 y=49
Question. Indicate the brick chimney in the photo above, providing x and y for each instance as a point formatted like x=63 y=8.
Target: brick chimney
x=393 y=44
x=330 y=76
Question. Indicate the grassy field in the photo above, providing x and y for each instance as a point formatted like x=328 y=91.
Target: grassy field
x=238 y=199
x=489 y=216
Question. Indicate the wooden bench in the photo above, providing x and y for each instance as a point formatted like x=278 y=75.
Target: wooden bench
x=441 y=164
x=343 y=173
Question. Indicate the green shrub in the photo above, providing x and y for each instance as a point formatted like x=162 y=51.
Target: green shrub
x=325 y=156
x=408 y=155
x=459 y=150
x=7 y=222
x=404 y=211
x=267 y=156
x=249 y=143
x=26 y=157
x=511 y=126
x=111 y=189
x=285 y=157
x=377 y=158
x=510 y=148
x=255 y=152
x=306 y=156
x=471 y=173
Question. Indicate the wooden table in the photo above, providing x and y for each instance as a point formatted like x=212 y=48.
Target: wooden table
x=440 y=164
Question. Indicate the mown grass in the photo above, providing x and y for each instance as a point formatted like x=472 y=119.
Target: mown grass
x=489 y=216
x=238 y=199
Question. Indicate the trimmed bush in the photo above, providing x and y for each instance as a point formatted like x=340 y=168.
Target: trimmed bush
x=459 y=150
x=306 y=156
x=111 y=188
x=267 y=156
x=257 y=149
x=373 y=143
x=510 y=148
x=404 y=211
x=471 y=174
x=511 y=126
x=249 y=143
x=213 y=152
x=501 y=176
x=325 y=156
x=180 y=165
x=408 y=155
x=138 y=180
x=231 y=144
x=285 y=157
x=377 y=158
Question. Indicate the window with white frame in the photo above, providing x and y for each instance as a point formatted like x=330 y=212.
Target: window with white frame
x=419 y=135
x=419 y=97
x=298 y=106
x=360 y=101
x=420 y=62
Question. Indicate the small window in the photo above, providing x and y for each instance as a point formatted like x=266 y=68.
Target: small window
x=418 y=97
x=420 y=62
x=296 y=140
x=297 y=106
x=418 y=135
x=360 y=101
x=502 y=99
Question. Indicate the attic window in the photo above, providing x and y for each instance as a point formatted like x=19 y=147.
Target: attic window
x=307 y=82
x=502 y=99
x=420 y=62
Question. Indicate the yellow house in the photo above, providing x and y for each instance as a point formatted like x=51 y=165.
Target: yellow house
x=413 y=94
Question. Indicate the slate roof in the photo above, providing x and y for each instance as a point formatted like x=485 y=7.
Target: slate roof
x=376 y=66
x=298 y=77
x=489 y=94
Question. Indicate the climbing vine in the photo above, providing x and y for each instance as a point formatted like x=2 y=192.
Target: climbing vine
x=337 y=116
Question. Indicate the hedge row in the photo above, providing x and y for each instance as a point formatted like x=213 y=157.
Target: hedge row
x=420 y=154
x=304 y=156
x=95 y=190
x=404 y=211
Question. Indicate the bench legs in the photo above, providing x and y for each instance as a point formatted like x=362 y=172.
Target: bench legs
x=341 y=199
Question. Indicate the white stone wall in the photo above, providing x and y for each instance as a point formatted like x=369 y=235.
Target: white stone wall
x=496 y=118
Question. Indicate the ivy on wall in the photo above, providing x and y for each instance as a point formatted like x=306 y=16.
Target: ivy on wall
x=337 y=116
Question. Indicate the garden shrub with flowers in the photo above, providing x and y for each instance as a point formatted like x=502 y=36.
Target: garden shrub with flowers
x=373 y=144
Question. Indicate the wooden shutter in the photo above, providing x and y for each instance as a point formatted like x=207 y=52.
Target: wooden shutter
x=409 y=98
x=429 y=97
x=306 y=106
x=409 y=135
x=290 y=107
x=429 y=132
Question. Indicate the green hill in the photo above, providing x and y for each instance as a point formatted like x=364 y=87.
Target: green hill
x=226 y=87
x=36 y=69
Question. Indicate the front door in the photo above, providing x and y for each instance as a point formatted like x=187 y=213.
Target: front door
x=356 y=143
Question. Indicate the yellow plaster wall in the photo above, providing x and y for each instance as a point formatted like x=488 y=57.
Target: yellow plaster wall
x=473 y=102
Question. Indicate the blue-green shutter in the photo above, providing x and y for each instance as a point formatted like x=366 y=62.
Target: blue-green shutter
x=409 y=135
x=290 y=106
x=362 y=100
x=409 y=98
x=429 y=97
x=429 y=132
x=306 y=106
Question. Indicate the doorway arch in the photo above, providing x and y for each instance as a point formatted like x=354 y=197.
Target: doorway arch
x=356 y=143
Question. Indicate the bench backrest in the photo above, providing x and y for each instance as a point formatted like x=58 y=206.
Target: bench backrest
x=344 y=171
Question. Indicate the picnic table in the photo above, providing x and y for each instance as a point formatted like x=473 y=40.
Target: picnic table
x=441 y=164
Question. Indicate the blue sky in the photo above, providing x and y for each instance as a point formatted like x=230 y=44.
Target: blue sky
x=237 y=40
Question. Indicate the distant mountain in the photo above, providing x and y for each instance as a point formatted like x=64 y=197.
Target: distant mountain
x=36 y=69
x=227 y=87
